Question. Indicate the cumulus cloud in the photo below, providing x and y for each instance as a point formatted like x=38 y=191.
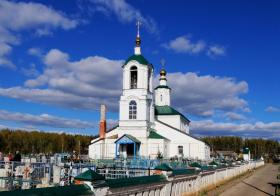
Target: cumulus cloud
x=16 y=17
x=57 y=98
x=272 y=109
x=83 y=84
x=235 y=116
x=202 y=95
x=125 y=13
x=257 y=129
x=43 y=120
x=30 y=71
x=35 y=52
x=216 y=50
x=184 y=44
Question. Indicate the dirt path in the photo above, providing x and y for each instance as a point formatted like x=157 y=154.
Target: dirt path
x=258 y=184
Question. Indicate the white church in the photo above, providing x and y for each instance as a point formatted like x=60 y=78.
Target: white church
x=148 y=125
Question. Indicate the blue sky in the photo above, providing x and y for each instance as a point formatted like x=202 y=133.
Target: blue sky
x=59 y=60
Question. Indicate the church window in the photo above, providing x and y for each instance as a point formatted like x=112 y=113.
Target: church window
x=132 y=110
x=160 y=97
x=180 y=150
x=133 y=77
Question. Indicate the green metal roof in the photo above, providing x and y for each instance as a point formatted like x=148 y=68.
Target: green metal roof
x=208 y=167
x=184 y=172
x=123 y=182
x=71 y=190
x=168 y=110
x=154 y=135
x=213 y=163
x=89 y=175
x=139 y=58
x=162 y=86
x=163 y=167
x=195 y=164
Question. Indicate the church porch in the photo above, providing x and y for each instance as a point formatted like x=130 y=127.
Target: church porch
x=127 y=146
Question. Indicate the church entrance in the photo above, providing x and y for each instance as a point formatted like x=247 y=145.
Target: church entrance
x=127 y=146
x=130 y=150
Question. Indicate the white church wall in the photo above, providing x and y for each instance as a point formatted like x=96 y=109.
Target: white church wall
x=144 y=147
x=107 y=146
x=162 y=96
x=173 y=120
x=94 y=151
x=155 y=146
x=192 y=147
x=138 y=132
x=143 y=112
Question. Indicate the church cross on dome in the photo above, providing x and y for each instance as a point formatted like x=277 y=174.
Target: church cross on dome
x=138 y=40
x=138 y=24
x=162 y=62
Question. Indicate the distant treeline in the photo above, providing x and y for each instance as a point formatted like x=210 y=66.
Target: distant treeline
x=28 y=142
x=258 y=147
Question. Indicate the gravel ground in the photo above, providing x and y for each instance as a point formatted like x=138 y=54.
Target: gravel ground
x=258 y=184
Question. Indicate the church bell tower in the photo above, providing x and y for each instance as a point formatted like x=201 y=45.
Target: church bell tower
x=136 y=102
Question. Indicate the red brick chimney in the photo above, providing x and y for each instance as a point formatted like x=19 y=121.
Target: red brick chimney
x=102 y=124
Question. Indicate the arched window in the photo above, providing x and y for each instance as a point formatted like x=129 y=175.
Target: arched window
x=133 y=77
x=132 y=110
x=160 y=97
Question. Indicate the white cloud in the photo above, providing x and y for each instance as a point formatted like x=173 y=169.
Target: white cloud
x=31 y=71
x=211 y=127
x=35 y=52
x=16 y=17
x=272 y=109
x=235 y=116
x=125 y=13
x=58 y=98
x=183 y=44
x=216 y=50
x=43 y=120
x=202 y=95
x=247 y=110
x=83 y=84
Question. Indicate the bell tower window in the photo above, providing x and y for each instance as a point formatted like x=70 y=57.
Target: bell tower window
x=132 y=110
x=133 y=77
